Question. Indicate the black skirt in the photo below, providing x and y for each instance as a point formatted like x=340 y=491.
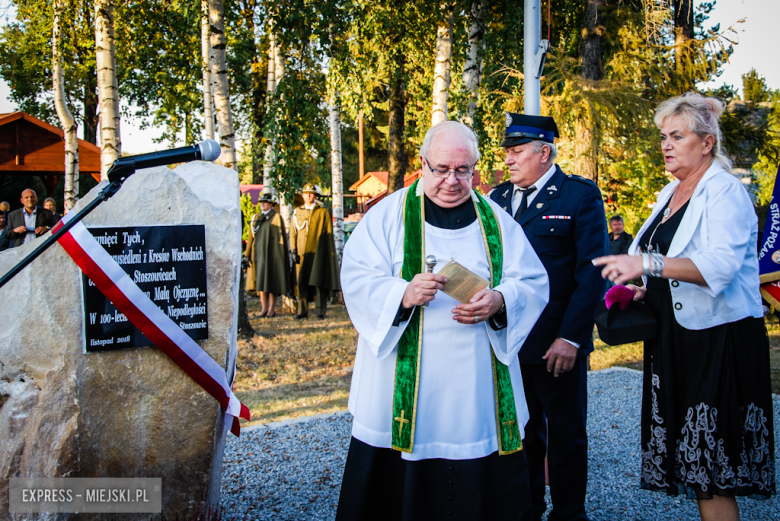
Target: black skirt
x=379 y=485
x=707 y=420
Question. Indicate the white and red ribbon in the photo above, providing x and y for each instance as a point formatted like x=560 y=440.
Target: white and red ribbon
x=144 y=314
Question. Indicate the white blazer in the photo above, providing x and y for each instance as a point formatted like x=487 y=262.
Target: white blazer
x=718 y=233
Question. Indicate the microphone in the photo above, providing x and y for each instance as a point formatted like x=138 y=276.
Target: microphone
x=207 y=150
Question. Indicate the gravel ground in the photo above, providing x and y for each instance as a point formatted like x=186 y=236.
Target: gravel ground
x=293 y=470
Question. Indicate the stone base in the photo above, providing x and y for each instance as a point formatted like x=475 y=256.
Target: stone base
x=125 y=413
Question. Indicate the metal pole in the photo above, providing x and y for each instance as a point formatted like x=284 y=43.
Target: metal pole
x=531 y=83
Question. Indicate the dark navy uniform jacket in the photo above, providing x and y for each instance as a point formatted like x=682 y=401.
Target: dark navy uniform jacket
x=566 y=225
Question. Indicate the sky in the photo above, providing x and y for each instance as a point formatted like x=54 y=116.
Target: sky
x=758 y=37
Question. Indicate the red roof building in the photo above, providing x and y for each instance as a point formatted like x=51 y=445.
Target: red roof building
x=31 y=147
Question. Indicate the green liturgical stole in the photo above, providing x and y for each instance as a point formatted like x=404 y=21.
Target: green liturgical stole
x=407 y=367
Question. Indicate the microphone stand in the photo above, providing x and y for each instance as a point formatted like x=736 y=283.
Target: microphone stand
x=122 y=168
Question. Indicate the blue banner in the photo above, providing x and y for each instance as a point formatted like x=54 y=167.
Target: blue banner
x=769 y=254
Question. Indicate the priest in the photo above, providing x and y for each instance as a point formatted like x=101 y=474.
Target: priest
x=437 y=393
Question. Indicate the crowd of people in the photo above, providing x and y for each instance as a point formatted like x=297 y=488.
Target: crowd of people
x=306 y=268
x=466 y=410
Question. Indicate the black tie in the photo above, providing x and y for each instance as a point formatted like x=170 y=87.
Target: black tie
x=524 y=202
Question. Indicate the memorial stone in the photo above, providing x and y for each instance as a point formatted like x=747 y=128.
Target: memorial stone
x=127 y=412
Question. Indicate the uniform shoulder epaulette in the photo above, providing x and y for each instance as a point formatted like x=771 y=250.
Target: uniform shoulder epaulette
x=501 y=186
x=580 y=178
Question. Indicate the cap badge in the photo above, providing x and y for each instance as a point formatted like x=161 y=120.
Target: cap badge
x=508 y=120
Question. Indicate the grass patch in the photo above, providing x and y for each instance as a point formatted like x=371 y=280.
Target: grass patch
x=626 y=355
x=293 y=368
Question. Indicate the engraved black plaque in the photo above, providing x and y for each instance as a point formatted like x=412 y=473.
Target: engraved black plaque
x=168 y=263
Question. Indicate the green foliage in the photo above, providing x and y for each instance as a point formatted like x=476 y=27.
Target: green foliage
x=247 y=61
x=754 y=87
x=24 y=50
x=498 y=92
x=769 y=160
x=351 y=46
x=248 y=210
x=745 y=135
x=25 y=59
x=245 y=162
x=295 y=123
x=158 y=55
x=725 y=93
x=642 y=66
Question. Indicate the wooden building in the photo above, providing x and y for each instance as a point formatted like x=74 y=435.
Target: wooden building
x=31 y=147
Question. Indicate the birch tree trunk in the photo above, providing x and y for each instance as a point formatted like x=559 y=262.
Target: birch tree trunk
x=335 y=175
x=66 y=118
x=108 y=91
x=258 y=109
x=472 y=70
x=279 y=64
x=208 y=99
x=271 y=85
x=227 y=138
x=441 y=71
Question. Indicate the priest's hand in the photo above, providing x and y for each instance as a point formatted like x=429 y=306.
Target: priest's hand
x=483 y=305
x=422 y=289
x=560 y=357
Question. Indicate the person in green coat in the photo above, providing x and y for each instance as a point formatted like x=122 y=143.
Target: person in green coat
x=269 y=272
x=314 y=251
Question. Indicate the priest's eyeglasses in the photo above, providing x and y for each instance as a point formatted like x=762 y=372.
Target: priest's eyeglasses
x=460 y=173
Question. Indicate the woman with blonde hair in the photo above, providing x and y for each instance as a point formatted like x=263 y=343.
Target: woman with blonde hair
x=707 y=428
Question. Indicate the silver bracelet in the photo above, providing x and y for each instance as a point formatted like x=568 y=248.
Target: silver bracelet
x=646 y=263
x=656 y=265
